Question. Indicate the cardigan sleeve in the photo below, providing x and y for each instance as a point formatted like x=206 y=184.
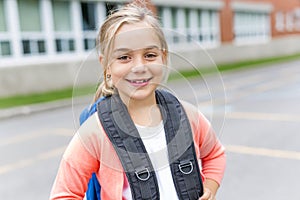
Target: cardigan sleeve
x=212 y=152
x=208 y=146
x=76 y=167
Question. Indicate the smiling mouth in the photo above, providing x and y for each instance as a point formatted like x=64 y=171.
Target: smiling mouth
x=139 y=82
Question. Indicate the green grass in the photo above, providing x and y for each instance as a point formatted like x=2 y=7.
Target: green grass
x=68 y=92
x=21 y=100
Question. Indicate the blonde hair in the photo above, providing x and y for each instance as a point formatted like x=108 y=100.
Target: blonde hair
x=130 y=14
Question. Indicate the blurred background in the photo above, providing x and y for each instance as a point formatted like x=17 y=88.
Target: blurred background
x=237 y=60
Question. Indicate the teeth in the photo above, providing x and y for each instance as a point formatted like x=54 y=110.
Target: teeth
x=139 y=81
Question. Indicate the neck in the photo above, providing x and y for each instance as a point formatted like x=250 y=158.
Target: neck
x=144 y=112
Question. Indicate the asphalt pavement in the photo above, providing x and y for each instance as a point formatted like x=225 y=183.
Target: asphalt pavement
x=255 y=113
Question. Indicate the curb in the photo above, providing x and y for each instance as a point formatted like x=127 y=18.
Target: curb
x=40 y=107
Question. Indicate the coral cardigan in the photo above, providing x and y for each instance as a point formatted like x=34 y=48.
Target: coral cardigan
x=91 y=151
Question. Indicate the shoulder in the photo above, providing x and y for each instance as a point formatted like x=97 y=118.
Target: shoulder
x=188 y=106
x=89 y=111
x=91 y=134
x=91 y=126
x=192 y=111
x=197 y=119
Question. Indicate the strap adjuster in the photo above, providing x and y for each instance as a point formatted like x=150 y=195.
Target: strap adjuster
x=143 y=174
x=186 y=167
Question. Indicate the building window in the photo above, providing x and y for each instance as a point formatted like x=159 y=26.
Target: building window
x=207 y=27
x=64 y=39
x=160 y=15
x=62 y=16
x=2 y=17
x=279 y=23
x=174 y=13
x=5 y=49
x=174 y=17
x=297 y=19
x=194 y=25
x=111 y=7
x=33 y=41
x=88 y=11
x=29 y=13
x=90 y=23
x=289 y=21
x=199 y=25
x=89 y=26
x=251 y=27
x=31 y=46
x=188 y=25
x=64 y=45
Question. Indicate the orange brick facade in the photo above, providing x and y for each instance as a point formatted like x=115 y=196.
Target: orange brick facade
x=226 y=22
x=286 y=7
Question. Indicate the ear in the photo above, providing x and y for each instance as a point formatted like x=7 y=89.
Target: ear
x=101 y=59
x=165 y=56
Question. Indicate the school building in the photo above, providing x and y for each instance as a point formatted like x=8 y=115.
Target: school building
x=50 y=44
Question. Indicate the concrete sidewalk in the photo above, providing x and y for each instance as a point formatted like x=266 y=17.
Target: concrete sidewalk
x=39 y=107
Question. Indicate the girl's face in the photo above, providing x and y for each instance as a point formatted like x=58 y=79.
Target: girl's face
x=137 y=62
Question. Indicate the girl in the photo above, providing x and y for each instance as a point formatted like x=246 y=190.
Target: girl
x=134 y=56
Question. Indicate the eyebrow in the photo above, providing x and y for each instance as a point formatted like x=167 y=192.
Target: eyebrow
x=128 y=50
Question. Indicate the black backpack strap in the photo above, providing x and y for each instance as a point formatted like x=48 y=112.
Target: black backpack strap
x=125 y=138
x=182 y=157
x=137 y=165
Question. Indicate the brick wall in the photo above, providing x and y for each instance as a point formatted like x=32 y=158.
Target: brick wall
x=283 y=6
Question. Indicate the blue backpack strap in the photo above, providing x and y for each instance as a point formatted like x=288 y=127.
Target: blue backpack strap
x=94 y=188
x=88 y=111
x=84 y=115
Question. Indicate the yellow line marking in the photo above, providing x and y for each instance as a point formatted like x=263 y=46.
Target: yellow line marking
x=34 y=135
x=264 y=116
x=20 y=138
x=274 y=153
x=31 y=161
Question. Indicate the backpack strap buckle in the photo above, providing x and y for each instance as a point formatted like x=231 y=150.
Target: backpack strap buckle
x=143 y=174
x=186 y=167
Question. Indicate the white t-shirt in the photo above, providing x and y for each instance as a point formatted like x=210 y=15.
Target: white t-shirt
x=155 y=143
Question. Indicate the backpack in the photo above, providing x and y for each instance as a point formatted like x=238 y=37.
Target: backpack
x=136 y=163
x=94 y=188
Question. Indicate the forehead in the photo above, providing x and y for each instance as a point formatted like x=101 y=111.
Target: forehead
x=136 y=36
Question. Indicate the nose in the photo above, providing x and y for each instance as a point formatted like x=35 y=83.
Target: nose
x=138 y=65
x=138 y=68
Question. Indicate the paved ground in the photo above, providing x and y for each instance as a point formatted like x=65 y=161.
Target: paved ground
x=255 y=112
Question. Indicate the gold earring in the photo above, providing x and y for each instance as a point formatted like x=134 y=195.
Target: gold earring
x=108 y=76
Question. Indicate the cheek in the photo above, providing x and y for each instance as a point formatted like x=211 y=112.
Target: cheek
x=157 y=69
x=118 y=72
x=116 y=77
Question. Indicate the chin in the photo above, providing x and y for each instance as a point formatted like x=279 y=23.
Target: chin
x=141 y=94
